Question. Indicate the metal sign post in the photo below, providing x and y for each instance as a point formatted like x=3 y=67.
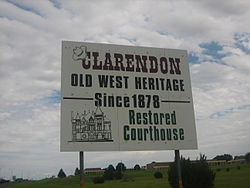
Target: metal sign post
x=178 y=165
x=81 y=169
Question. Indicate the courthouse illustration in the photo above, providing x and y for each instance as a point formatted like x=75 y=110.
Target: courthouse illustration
x=91 y=127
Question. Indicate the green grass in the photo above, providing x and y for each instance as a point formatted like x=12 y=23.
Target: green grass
x=234 y=177
x=145 y=179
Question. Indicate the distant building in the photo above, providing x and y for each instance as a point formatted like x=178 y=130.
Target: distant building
x=216 y=162
x=93 y=170
x=239 y=157
x=158 y=165
x=237 y=161
x=165 y=165
x=91 y=127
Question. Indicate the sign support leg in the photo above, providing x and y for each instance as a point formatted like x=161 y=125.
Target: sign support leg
x=81 y=169
x=178 y=165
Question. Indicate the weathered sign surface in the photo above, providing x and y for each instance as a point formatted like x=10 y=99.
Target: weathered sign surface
x=118 y=97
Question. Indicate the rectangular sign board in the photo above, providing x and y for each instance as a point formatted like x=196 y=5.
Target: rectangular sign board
x=125 y=98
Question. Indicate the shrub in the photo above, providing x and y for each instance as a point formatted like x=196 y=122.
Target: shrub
x=227 y=169
x=4 y=181
x=158 y=175
x=98 y=180
x=77 y=171
x=61 y=174
x=238 y=167
x=137 y=167
x=218 y=169
x=226 y=157
x=118 y=175
x=109 y=173
x=194 y=175
x=120 y=167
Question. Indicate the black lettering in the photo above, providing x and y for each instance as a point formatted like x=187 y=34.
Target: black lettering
x=86 y=65
x=126 y=101
x=119 y=62
x=175 y=85
x=175 y=134
x=133 y=134
x=138 y=118
x=164 y=63
x=125 y=129
x=137 y=82
x=108 y=63
x=140 y=63
x=74 y=80
x=96 y=66
x=98 y=101
x=103 y=81
x=163 y=136
x=150 y=132
x=156 y=133
x=153 y=64
x=131 y=117
x=118 y=81
x=130 y=59
x=119 y=101
x=139 y=133
x=182 y=85
x=174 y=66
x=88 y=80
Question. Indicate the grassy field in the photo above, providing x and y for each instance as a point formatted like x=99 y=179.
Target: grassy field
x=235 y=177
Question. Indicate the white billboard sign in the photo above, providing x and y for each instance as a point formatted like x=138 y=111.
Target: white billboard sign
x=125 y=98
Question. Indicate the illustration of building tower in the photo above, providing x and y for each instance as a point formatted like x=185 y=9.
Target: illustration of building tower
x=91 y=127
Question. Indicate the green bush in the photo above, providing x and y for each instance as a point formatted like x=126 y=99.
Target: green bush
x=118 y=175
x=227 y=169
x=137 y=167
x=218 y=169
x=61 y=174
x=158 y=175
x=194 y=175
x=77 y=171
x=98 y=180
x=238 y=167
x=109 y=173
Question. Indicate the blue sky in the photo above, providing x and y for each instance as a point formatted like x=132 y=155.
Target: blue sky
x=215 y=33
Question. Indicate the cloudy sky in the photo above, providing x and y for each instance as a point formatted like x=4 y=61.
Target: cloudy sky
x=216 y=34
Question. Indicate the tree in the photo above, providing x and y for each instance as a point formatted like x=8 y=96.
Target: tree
x=226 y=157
x=194 y=175
x=158 y=175
x=61 y=174
x=239 y=157
x=111 y=167
x=77 y=171
x=247 y=157
x=109 y=173
x=137 y=167
x=120 y=167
